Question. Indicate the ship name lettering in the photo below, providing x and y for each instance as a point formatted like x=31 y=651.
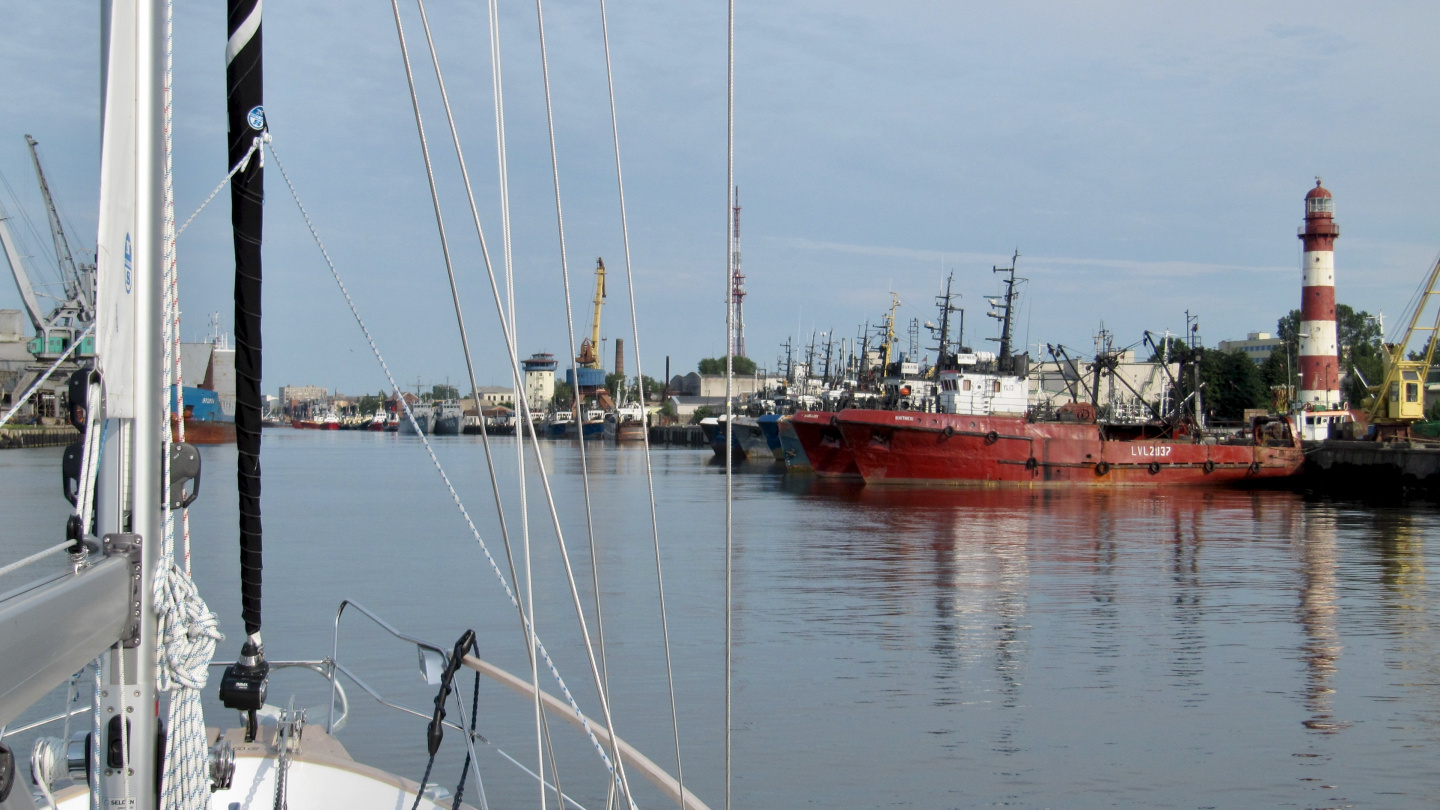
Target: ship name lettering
x=1150 y=450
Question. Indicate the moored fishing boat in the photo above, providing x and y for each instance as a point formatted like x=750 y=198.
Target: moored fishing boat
x=793 y=451
x=770 y=428
x=897 y=447
x=818 y=434
x=625 y=424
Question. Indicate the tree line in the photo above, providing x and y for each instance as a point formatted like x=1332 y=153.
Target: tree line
x=1233 y=382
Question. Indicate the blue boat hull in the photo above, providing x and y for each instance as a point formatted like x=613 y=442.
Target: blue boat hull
x=770 y=427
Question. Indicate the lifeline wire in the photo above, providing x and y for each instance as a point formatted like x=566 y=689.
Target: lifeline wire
x=454 y=495
x=640 y=381
x=14 y=409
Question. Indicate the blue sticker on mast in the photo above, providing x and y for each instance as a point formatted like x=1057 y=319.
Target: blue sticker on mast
x=127 y=264
x=256 y=117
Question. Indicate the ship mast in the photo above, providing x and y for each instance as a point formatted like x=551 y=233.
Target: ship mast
x=946 y=356
x=1007 y=303
x=890 y=331
x=737 y=285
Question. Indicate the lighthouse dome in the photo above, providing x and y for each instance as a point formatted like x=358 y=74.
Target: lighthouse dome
x=1319 y=200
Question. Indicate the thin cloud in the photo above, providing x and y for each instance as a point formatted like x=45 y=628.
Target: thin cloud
x=1151 y=269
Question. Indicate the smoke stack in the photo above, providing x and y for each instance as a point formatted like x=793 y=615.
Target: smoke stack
x=620 y=356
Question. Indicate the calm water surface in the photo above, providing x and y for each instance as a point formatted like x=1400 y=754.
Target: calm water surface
x=893 y=647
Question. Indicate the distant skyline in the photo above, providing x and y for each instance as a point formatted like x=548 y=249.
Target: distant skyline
x=1144 y=160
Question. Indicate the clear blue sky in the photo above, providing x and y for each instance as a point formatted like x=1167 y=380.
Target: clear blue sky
x=1144 y=159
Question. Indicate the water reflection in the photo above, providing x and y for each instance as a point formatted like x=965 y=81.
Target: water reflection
x=1321 y=649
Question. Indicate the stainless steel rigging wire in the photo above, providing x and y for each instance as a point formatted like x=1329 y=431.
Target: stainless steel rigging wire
x=445 y=477
x=729 y=373
x=640 y=381
x=543 y=739
x=600 y=680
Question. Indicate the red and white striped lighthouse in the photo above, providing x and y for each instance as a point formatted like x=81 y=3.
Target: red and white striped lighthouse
x=1319 y=342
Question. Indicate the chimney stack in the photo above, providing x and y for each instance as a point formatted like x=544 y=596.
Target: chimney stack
x=620 y=356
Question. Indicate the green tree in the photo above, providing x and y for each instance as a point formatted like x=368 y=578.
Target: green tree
x=1360 y=348
x=652 y=387
x=1232 y=384
x=1177 y=349
x=613 y=383
x=444 y=392
x=743 y=366
x=702 y=412
x=563 y=396
x=1277 y=370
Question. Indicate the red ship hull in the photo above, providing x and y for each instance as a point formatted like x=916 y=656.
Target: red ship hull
x=927 y=448
x=824 y=445
x=202 y=431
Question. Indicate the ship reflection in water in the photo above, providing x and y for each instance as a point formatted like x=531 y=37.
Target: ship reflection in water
x=1154 y=644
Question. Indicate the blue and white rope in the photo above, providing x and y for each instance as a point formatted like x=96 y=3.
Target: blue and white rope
x=187 y=630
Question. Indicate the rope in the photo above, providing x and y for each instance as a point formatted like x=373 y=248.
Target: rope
x=239 y=167
x=425 y=441
x=640 y=378
x=187 y=630
x=47 y=764
x=95 y=732
x=39 y=555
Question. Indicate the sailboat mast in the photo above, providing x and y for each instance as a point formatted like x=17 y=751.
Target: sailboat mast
x=243 y=685
x=129 y=348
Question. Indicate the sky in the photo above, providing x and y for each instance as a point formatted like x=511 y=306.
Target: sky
x=1145 y=159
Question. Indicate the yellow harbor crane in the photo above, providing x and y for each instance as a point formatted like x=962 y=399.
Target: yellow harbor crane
x=590 y=347
x=1399 y=399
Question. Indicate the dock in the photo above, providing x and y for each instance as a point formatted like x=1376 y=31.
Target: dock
x=27 y=436
x=685 y=435
x=1387 y=469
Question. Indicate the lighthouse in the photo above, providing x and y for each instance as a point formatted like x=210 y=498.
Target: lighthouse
x=1319 y=342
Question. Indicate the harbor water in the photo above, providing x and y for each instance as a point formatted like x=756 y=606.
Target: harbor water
x=893 y=647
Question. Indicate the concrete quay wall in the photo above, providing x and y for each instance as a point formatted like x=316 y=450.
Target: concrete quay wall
x=1372 y=468
x=38 y=437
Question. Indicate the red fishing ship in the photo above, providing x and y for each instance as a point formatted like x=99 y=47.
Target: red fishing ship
x=981 y=429
x=898 y=447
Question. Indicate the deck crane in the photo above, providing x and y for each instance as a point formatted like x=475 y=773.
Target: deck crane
x=79 y=279
x=590 y=347
x=57 y=330
x=1399 y=399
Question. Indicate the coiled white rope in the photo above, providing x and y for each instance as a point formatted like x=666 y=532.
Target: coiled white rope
x=47 y=764
x=187 y=629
